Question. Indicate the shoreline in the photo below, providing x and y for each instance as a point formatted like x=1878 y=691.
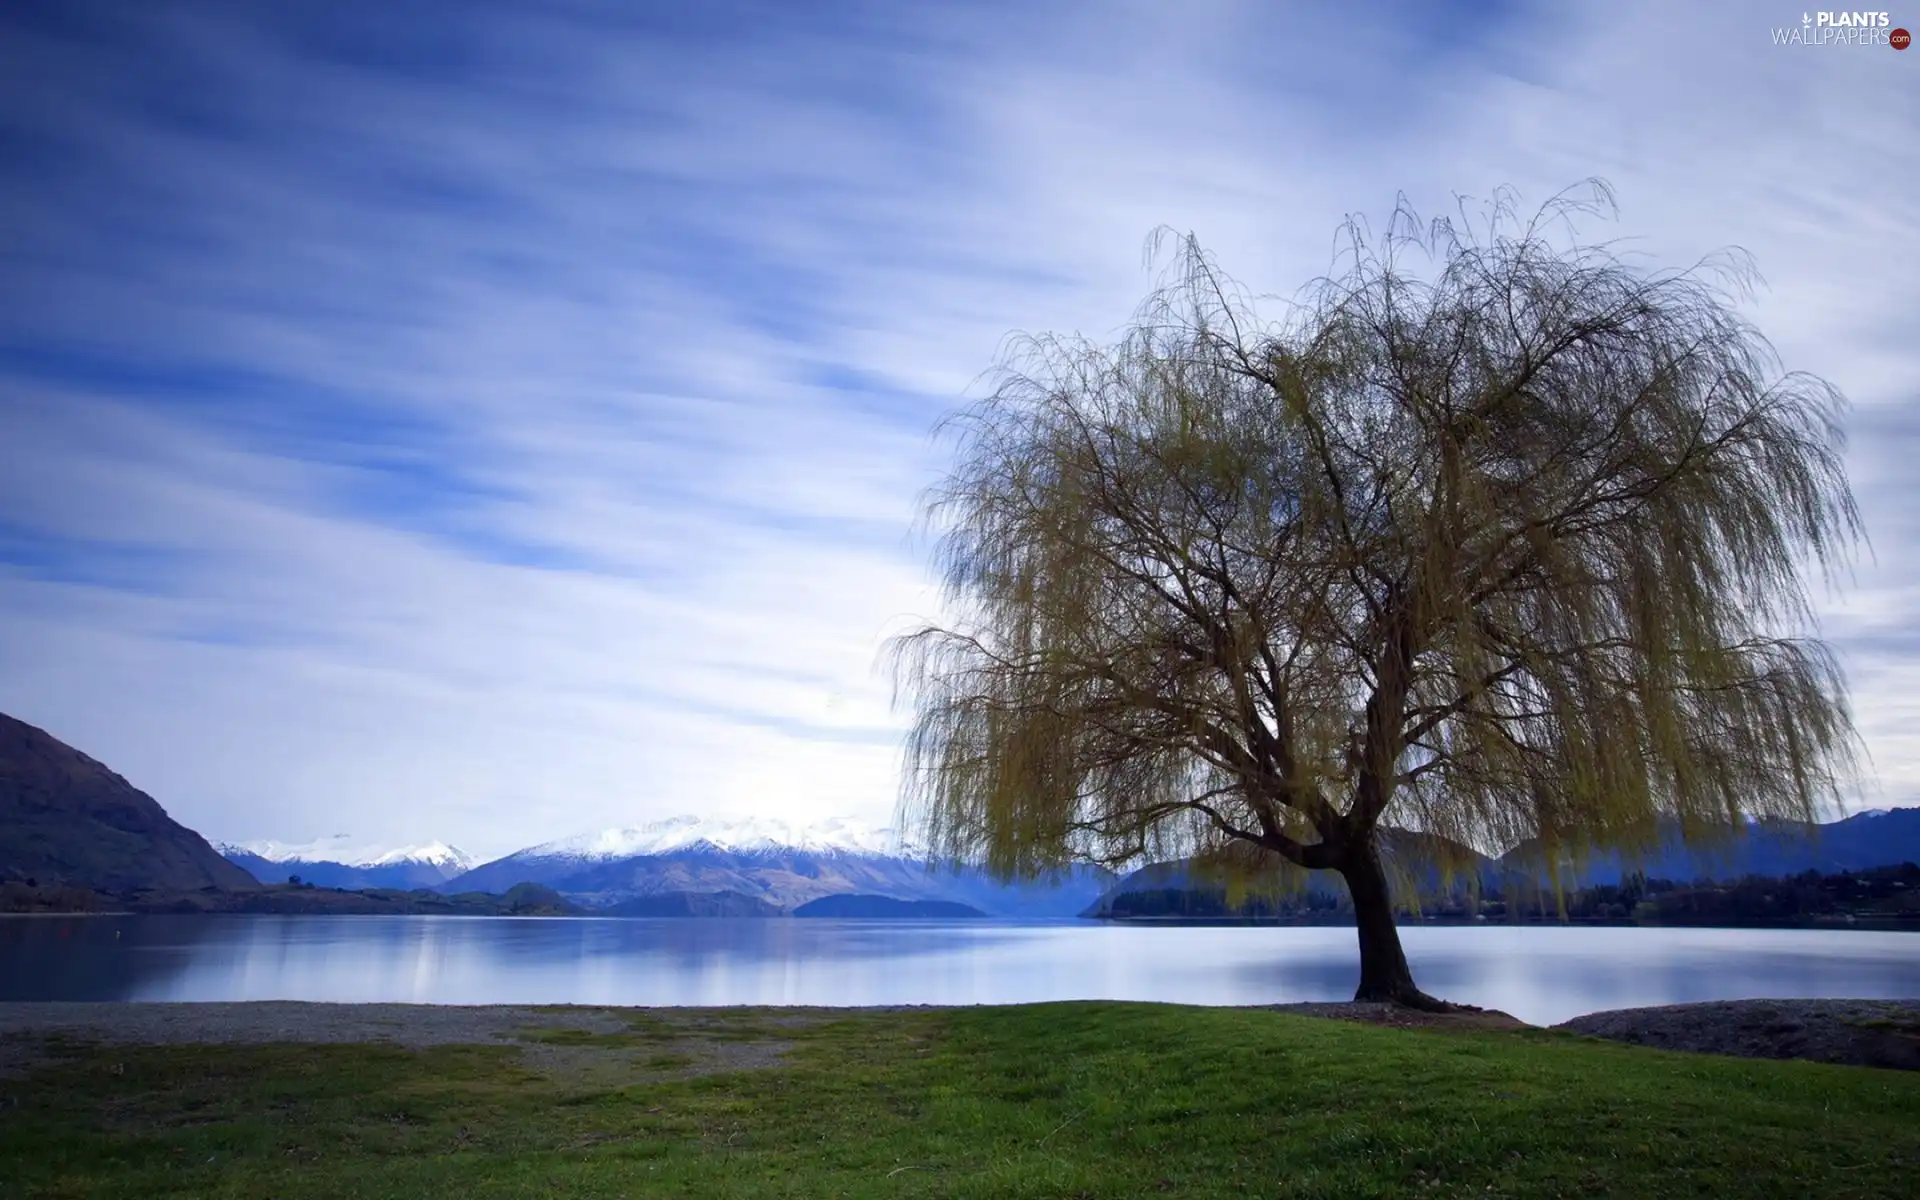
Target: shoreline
x=1852 y=924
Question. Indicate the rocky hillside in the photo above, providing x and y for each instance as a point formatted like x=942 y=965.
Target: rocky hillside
x=66 y=820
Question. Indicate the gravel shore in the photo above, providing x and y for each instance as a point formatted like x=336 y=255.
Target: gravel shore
x=1860 y=1033
x=1878 y=1033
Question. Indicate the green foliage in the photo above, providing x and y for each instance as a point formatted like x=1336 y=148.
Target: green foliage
x=1069 y=1100
x=1513 y=551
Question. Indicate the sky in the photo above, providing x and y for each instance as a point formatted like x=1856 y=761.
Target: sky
x=491 y=423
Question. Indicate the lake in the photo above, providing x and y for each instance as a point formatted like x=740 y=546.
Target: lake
x=1540 y=974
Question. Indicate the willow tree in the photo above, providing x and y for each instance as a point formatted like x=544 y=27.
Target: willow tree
x=1514 y=550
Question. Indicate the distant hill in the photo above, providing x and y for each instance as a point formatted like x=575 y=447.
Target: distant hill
x=66 y=819
x=529 y=900
x=691 y=904
x=885 y=907
x=1178 y=889
x=336 y=862
x=1883 y=837
x=1063 y=894
x=780 y=865
x=1862 y=842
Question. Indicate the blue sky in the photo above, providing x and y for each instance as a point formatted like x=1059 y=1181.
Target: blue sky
x=490 y=423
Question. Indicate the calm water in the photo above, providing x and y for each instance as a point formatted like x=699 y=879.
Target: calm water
x=1538 y=974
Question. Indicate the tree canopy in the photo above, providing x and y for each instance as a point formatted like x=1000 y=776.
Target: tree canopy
x=1517 y=549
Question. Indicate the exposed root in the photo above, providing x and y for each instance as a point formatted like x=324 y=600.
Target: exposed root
x=1408 y=996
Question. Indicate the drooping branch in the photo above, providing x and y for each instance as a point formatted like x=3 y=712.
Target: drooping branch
x=1510 y=551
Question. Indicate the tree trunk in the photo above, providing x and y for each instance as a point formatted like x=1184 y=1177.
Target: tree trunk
x=1384 y=976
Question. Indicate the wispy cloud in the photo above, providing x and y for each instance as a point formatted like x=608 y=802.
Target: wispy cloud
x=488 y=426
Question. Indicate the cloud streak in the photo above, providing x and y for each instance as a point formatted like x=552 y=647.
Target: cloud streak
x=487 y=427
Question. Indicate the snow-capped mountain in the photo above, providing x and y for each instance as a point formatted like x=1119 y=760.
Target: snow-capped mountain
x=340 y=848
x=749 y=836
x=339 y=861
x=761 y=865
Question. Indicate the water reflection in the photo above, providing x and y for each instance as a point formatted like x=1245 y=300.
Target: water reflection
x=94 y=958
x=1539 y=974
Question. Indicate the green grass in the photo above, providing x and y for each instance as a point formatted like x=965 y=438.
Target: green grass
x=1058 y=1100
x=644 y=1028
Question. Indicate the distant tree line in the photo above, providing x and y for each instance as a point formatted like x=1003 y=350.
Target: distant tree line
x=1882 y=894
x=1890 y=893
x=27 y=894
x=30 y=895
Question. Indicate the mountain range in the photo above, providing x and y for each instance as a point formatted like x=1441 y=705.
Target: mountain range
x=1874 y=838
x=338 y=862
x=1861 y=842
x=693 y=866
x=67 y=820
x=765 y=866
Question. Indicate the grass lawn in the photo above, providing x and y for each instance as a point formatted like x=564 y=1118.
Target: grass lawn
x=1055 y=1100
